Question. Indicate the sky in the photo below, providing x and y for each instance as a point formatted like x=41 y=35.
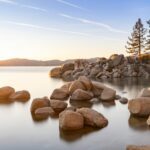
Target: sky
x=66 y=29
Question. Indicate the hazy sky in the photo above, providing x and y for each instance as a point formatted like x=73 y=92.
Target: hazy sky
x=62 y=29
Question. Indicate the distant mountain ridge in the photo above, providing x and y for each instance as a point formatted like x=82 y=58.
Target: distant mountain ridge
x=28 y=62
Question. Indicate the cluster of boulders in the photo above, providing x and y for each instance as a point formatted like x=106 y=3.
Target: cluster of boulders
x=117 y=66
x=8 y=94
x=140 y=106
x=84 y=89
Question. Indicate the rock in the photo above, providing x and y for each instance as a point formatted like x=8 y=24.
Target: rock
x=80 y=94
x=56 y=72
x=139 y=106
x=148 y=121
x=67 y=66
x=86 y=82
x=70 y=120
x=117 y=97
x=67 y=76
x=93 y=118
x=117 y=60
x=134 y=147
x=108 y=94
x=5 y=92
x=39 y=103
x=71 y=108
x=45 y=111
x=97 y=88
x=20 y=96
x=66 y=87
x=145 y=92
x=123 y=100
x=58 y=106
x=76 y=85
x=59 y=94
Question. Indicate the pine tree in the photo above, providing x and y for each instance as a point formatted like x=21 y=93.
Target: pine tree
x=147 y=47
x=137 y=40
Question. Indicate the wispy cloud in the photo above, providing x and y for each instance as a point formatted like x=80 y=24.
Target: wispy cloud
x=12 y=2
x=69 y=4
x=8 y=2
x=44 y=28
x=33 y=7
x=102 y=25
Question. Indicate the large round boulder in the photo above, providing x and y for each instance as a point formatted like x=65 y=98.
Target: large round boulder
x=80 y=94
x=59 y=94
x=22 y=96
x=70 y=120
x=56 y=72
x=86 y=82
x=76 y=85
x=58 y=106
x=39 y=103
x=93 y=118
x=108 y=94
x=5 y=92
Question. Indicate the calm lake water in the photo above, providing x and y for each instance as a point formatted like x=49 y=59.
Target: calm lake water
x=18 y=131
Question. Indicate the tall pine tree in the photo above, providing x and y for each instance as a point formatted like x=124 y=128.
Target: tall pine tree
x=147 y=47
x=135 y=45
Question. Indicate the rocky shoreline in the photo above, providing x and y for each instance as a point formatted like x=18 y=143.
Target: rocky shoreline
x=116 y=66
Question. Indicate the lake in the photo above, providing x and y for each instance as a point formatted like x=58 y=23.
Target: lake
x=18 y=131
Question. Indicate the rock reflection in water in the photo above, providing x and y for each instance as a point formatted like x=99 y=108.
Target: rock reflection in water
x=137 y=123
x=71 y=136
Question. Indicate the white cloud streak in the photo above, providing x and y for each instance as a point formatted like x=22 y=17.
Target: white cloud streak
x=8 y=2
x=69 y=4
x=45 y=28
x=91 y=22
x=12 y=2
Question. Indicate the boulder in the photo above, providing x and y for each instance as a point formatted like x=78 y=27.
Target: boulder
x=86 y=82
x=108 y=94
x=93 y=118
x=20 y=96
x=139 y=106
x=5 y=92
x=134 y=147
x=67 y=76
x=45 y=111
x=56 y=72
x=123 y=100
x=58 y=106
x=70 y=120
x=39 y=103
x=97 y=88
x=67 y=66
x=148 y=121
x=117 y=60
x=145 y=92
x=80 y=94
x=59 y=94
x=66 y=87
x=76 y=85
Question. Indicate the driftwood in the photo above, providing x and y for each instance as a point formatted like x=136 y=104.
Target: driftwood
x=140 y=106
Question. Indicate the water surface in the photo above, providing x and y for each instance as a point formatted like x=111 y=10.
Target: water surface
x=18 y=131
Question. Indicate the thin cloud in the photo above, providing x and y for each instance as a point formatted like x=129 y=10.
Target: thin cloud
x=12 y=2
x=45 y=28
x=86 y=21
x=33 y=7
x=9 y=2
x=69 y=4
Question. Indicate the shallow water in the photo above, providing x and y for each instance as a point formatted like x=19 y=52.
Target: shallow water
x=18 y=131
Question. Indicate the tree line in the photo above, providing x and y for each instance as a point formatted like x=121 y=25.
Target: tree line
x=139 y=41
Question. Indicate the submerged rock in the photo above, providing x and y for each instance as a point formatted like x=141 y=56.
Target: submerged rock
x=70 y=120
x=123 y=100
